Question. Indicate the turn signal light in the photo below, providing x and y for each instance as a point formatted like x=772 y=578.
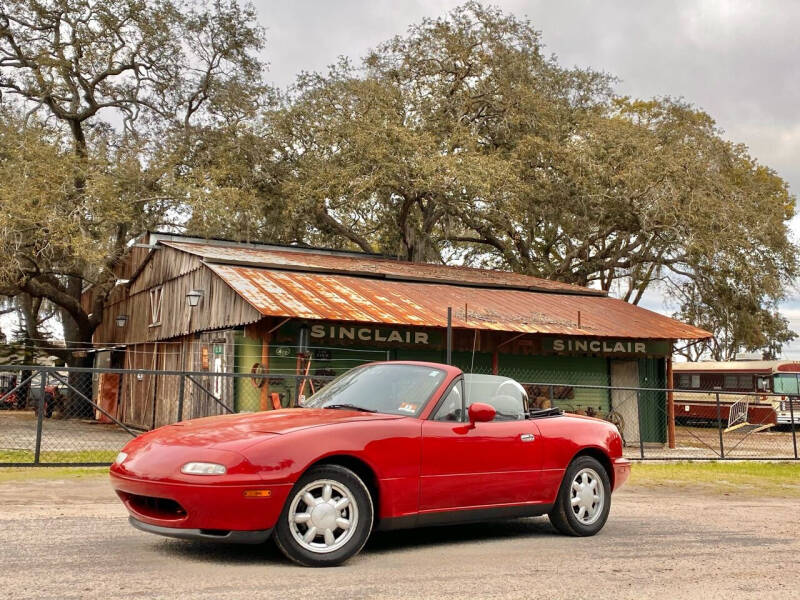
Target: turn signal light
x=257 y=493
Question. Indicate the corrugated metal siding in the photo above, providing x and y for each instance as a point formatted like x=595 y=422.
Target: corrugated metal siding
x=344 y=298
x=382 y=268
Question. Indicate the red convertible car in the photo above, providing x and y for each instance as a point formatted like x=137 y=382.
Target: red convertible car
x=384 y=446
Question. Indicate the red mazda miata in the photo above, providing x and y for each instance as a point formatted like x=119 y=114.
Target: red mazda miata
x=384 y=446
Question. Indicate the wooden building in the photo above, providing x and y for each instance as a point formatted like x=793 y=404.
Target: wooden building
x=216 y=306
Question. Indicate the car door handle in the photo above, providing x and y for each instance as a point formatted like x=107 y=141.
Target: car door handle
x=526 y=437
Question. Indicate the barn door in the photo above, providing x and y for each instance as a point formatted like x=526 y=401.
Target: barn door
x=625 y=373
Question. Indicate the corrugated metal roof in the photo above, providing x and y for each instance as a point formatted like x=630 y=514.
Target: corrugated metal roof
x=336 y=297
x=370 y=266
x=765 y=366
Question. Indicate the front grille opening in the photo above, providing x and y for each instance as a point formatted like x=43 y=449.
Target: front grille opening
x=155 y=508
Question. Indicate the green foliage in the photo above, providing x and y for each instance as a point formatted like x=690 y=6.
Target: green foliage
x=461 y=140
x=101 y=103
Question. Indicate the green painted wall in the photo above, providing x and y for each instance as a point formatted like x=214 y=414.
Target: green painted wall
x=248 y=352
x=563 y=370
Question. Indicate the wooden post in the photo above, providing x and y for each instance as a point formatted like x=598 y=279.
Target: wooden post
x=670 y=405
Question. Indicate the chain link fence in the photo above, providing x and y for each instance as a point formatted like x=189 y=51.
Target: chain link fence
x=60 y=416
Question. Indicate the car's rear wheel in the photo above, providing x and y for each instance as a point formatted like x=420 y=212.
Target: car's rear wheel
x=327 y=517
x=584 y=498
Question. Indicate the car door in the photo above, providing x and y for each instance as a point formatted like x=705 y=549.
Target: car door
x=480 y=465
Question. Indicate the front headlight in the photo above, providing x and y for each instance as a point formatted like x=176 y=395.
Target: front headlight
x=120 y=457
x=203 y=468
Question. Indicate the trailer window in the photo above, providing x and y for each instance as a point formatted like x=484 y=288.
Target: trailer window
x=730 y=382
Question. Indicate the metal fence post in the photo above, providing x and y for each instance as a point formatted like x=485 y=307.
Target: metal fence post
x=449 y=335
x=40 y=417
x=719 y=428
x=794 y=429
x=181 y=391
x=639 y=418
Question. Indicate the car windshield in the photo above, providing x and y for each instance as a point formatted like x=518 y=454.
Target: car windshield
x=395 y=389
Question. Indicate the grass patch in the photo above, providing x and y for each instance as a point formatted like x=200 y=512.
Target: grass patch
x=11 y=474
x=60 y=456
x=747 y=478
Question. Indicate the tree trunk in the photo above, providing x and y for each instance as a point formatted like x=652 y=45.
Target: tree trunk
x=80 y=343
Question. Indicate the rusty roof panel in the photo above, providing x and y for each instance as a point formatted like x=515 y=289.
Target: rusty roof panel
x=336 y=297
x=369 y=265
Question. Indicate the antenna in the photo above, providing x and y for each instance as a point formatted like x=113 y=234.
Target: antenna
x=474 y=340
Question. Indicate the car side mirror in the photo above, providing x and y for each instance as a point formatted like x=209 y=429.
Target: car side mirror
x=481 y=413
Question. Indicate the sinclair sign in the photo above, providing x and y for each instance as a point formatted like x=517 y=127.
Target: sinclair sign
x=372 y=335
x=606 y=347
x=350 y=334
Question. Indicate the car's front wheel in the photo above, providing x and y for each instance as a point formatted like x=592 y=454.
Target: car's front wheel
x=584 y=498
x=327 y=517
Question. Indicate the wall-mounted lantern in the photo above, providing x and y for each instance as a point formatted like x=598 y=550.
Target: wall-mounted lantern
x=193 y=297
x=121 y=320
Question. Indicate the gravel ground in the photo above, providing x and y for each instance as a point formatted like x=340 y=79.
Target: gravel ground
x=64 y=539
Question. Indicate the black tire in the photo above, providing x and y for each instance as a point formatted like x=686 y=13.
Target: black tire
x=563 y=517
x=286 y=530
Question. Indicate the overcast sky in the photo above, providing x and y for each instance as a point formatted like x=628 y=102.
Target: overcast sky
x=736 y=59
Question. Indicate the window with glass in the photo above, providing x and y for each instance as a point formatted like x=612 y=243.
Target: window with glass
x=506 y=396
x=730 y=382
x=785 y=383
x=156 y=300
x=452 y=407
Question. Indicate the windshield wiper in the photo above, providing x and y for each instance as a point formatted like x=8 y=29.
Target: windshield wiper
x=350 y=407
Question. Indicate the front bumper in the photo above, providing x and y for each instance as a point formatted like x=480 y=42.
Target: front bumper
x=194 y=507
x=215 y=535
x=785 y=418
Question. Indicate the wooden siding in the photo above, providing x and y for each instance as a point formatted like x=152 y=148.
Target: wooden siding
x=139 y=391
x=220 y=308
x=165 y=264
x=149 y=401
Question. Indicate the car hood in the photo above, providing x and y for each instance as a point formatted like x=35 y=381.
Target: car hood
x=159 y=454
x=219 y=431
